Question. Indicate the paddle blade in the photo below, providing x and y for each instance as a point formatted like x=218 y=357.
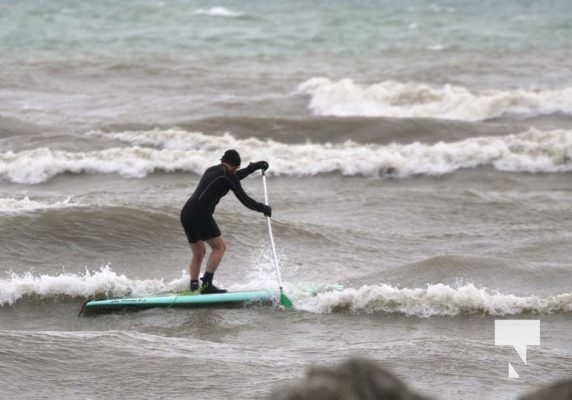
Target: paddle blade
x=285 y=301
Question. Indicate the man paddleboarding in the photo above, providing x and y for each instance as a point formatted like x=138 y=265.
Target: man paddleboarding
x=197 y=215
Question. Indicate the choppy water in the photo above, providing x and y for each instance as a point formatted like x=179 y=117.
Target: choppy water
x=421 y=156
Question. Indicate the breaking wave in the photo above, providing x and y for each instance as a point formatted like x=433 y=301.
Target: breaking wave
x=12 y=206
x=102 y=283
x=406 y=100
x=434 y=300
x=171 y=150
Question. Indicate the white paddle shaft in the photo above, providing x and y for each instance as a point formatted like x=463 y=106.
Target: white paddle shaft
x=270 y=233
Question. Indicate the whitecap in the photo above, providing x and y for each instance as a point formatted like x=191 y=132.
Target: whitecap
x=172 y=150
x=219 y=12
x=409 y=100
x=433 y=300
x=18 y=206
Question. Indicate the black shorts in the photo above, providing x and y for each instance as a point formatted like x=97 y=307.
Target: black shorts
x=199 y=226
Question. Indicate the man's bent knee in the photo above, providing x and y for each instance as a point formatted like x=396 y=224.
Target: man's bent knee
x=217 y=244
x=198 y=249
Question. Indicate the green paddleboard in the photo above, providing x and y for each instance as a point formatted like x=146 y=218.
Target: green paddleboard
x=179 y=300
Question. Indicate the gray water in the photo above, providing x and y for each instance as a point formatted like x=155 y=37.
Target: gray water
x=420 y=178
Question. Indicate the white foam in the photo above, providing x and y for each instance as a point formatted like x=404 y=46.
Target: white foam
x=18 y=206
x=42 y=164
x=405 y=100
x=104 y=282
x=218 y=12
x=434 y=300
x=531 y=151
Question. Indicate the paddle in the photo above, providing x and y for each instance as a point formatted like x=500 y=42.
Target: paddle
x=284 y=300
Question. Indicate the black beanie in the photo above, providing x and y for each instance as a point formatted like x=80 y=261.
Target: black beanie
x=231 y=157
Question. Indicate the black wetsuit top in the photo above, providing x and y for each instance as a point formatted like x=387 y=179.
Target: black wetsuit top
x=216 y=183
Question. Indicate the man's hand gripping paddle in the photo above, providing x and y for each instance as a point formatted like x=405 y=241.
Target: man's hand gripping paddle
x=284 y=300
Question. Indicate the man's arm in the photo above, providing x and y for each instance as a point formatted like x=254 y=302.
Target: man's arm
x=244 y=172
x=245 y=199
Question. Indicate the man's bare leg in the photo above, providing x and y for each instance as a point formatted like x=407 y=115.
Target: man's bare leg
x=218 y=247
x=199 y=249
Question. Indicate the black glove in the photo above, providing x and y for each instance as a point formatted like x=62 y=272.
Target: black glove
x=264 y=209
x=263 y=165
